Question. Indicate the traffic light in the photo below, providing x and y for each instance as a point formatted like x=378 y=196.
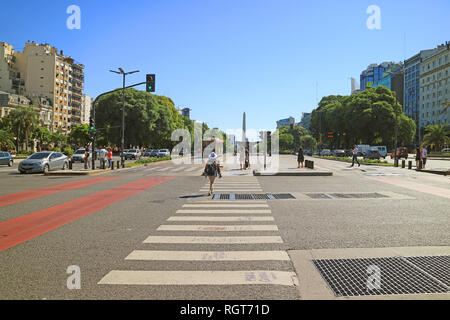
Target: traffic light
x=91 y=124
x=150 y=86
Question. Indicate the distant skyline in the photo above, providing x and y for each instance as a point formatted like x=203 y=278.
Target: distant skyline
x=223 y=58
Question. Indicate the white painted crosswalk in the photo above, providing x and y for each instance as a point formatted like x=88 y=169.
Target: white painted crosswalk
x=210 y=221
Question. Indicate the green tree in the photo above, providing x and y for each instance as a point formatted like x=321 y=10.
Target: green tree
x=43 y=135
x=438 y=136
x=6 y=140
x=22 y=121
x=79 y=136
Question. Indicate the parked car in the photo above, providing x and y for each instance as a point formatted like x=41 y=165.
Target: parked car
x=147 y=153
x=349 y=153
x=78 y=155
x=325 y=153
x=44 y=162
x=307 y=152
x=402 y=152
x=445 y=150
x=163 y=153
x=124 y=153
x=339 y=153
x=154 y=153
x=6 y=158
x=372 y=154
x=381 y=149
x=134 y=154
x=363 y=149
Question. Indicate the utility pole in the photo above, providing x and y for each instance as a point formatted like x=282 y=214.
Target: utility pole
x=124 y=74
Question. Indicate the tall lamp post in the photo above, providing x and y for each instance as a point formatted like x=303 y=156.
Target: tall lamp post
x=396 y=115
x=124 y=74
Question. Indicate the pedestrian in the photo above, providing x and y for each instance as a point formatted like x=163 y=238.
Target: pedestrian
x=86 y=158
x=109 y=156
x=418 y=157
x=424 y=157
x=242 y=158
x=355 y=156
x=102 y=154
x=247 y=159
x=300 y=157
x=212 y=170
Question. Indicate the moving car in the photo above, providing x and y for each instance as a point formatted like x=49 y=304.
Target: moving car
x=307 y=152
x=339 y=153
x=372 y=154
x=6 y=158
x=402 y=152
x=163 y=153
x=363 y=149
x=133 y=154
x=44 y=162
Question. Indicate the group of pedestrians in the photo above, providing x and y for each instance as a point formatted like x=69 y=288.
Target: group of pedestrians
x=105 y=155
x=421 y=154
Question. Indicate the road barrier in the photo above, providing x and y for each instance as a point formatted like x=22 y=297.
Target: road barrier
x=112 y=165
x=118 y=164
x=420 y=165
x=403 y=164
x=70 y=164
x=396 y=162
x=409 y=165
x=309 y=164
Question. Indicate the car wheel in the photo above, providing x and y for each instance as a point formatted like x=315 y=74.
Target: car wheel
x=10 y=163
x=21 y=172
x=46 y=169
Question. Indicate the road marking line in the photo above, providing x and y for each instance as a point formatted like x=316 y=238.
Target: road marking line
x=192 y=169
x=164 y=169
x=12 y=198
x=150 y=255
x=216 y=228
x=179 y=169
x=213 y=240
x=224 y=211
x=223 y=219
x=195 y=278
x=32 y=225
x=227 y=205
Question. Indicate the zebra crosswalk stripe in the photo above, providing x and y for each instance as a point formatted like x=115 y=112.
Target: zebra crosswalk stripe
x=153 y=255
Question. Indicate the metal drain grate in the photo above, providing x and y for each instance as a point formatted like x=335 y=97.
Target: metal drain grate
x=346 y=195
x=350 y=277
x=436 y=266
x=252 y=196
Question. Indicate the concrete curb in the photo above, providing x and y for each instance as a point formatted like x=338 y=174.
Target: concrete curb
x=293 y=173
x=442 y=173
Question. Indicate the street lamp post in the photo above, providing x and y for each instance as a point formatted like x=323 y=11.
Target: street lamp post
x=124 y=74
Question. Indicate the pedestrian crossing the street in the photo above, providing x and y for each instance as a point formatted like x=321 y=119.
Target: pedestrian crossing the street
x=207 y=231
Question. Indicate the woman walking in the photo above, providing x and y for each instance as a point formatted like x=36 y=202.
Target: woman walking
x=300 y=157
x=109 y=156
x=212 y=169
x=418 y=157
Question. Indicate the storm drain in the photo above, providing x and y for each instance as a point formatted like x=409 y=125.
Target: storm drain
x=436 y=266
x=376 y=276
x=346 y=195
x=252 y=196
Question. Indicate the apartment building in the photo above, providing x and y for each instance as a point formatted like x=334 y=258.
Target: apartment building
x=86 y=106
x=435 y=87
x=41 y=72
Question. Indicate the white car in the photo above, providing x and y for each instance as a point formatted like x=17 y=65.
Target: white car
x=163 y=153
x=445 y=150
x=78 y=156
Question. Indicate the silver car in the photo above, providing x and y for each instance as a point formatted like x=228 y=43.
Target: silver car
x=44 y=162
x=163 y=153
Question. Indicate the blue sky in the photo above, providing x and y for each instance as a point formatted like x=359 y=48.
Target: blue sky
x=221 y=58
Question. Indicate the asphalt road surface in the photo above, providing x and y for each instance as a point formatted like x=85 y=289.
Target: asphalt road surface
x=153 y=233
